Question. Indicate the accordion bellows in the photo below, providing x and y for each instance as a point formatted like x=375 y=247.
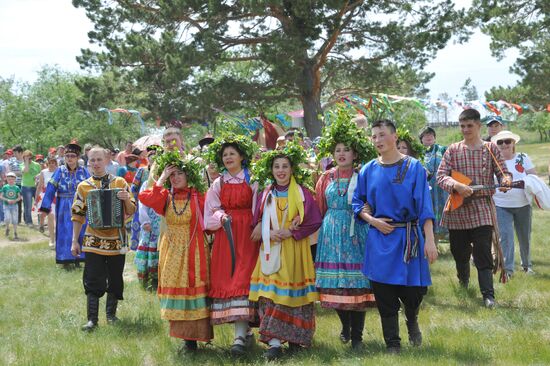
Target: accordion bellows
x=104 y=209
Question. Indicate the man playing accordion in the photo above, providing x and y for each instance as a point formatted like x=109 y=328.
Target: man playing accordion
x=106 y=201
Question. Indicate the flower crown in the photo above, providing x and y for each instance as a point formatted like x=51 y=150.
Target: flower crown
x=262 y=172
x=191 y=165
x=343 y=131
x=404 y=134
x=245 y=144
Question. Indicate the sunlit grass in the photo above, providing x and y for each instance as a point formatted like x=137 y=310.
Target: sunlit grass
x=42 y=308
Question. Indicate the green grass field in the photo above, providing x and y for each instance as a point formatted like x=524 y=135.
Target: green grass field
x=42 y=308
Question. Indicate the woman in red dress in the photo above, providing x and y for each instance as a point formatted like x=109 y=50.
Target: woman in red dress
x=230 y=199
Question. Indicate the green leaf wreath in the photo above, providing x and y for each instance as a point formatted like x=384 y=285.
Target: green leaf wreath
x=245 y=144
x=418 y=149
x=343 y=130
x=191 y=165
x=262 y=172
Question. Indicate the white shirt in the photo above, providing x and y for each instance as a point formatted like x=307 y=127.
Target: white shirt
x=515 y=197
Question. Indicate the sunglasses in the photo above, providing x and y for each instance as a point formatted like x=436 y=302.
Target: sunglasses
x=507 y=142
x=71 y=155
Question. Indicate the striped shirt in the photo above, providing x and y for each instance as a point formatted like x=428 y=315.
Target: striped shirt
x=478 y=165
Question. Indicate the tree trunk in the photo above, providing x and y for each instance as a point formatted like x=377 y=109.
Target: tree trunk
x=310 y=90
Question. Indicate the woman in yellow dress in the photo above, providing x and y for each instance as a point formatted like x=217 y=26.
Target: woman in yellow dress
x=283 y=281
x=183 y=271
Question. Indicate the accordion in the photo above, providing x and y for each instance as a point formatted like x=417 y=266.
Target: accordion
x=104 y=209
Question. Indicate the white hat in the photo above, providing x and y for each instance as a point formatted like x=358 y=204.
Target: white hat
x=503 y=135
x=11 y=174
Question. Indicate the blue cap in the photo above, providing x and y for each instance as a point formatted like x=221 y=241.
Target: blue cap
x=493 y=118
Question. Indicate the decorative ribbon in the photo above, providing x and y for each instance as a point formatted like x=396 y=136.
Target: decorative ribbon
x=196 y=216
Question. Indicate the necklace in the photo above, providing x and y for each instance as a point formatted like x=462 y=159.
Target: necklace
x=277 y=201
x=281 y=189
x=179 y=213
x=340 y=192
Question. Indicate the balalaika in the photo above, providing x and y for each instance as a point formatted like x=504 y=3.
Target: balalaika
x=104 y=209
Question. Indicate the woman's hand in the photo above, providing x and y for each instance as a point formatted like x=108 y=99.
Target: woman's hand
x=285 y=234
x=382 y=225
x=224 y=218
x=147 y=227
x=256 y=233
x=274 y=235
x=367 y=209
x=166 y=173
x=294 y=223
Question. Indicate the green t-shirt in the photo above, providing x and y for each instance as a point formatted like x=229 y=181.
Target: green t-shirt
x=27 y=179
x=10 y=192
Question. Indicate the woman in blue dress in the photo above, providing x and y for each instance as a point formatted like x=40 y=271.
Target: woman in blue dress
x=61 y=189
x=341 y=243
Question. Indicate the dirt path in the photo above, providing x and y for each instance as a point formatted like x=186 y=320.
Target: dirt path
x=26 y=236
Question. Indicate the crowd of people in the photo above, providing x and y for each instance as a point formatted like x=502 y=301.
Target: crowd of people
x=248 y=238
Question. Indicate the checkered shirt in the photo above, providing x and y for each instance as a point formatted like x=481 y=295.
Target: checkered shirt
x=479 y=166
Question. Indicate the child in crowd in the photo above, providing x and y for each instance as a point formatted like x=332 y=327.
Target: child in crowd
x=10 y=194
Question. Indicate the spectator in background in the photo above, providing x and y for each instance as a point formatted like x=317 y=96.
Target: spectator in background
x=39 y=158
x=361 y=121
x=11 y=194
x=405 y=147
x=43 y=179
x=60 y=155
x=494 y=126
x=29 y=170
x=84 y=157
x=112 y=166
x=513 y=207
x=15 y=167
x=3 y=171
x=281 y=142
x=432 y=159
x=121 y=157
x=129 y=170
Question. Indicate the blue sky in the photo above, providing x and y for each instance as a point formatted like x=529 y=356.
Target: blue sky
x=52 y=32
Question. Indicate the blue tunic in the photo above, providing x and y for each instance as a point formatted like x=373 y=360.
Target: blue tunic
x=400 y=192
x=62 y=187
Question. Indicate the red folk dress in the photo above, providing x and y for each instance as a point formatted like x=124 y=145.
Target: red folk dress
x=232 y=196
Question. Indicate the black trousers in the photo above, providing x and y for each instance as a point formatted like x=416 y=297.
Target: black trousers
x=476 y=241
x=388 y=296
x=103 y=273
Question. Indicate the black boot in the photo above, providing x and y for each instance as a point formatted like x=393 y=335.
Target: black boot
x=390 y=329
x=485 y=278
x=415 y=335
x=92 y=310
x=463 y=273
x=345 y=319
x=110 y=308
x=357 y=325
x=187 y=347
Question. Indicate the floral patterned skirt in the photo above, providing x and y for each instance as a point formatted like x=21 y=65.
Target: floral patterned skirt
x=290 y=324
